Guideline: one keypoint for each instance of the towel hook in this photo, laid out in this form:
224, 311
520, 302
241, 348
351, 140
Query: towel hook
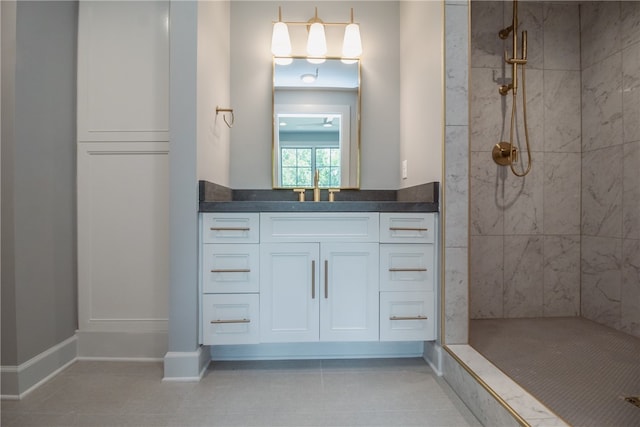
224, 116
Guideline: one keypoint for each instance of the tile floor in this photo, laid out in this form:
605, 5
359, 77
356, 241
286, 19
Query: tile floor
374, 392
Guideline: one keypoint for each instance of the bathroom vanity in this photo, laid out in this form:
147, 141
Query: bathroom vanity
312, 272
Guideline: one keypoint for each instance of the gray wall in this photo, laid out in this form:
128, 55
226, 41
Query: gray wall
525, 232
38, 181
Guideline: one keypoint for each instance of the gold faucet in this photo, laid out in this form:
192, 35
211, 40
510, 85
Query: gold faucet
316, 189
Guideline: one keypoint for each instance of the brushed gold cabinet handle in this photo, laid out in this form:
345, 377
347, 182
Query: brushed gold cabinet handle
232, 270
215, 322
408, 318
230, 228
407, 269
313, 279
326, 279
407, 229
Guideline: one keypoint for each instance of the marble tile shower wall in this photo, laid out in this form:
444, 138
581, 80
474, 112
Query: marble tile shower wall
525, 232
610, 34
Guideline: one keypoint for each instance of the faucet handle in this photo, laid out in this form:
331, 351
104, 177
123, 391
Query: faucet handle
300, 192
331, 193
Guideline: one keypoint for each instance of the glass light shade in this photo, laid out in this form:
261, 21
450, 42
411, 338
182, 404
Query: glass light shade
352, 44
283, 60
317, 42
280, 41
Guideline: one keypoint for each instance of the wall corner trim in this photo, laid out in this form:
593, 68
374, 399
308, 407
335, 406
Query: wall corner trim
18, 381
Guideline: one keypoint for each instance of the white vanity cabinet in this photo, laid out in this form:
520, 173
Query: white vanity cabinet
407, 276
303, 277
229, 278
319, 277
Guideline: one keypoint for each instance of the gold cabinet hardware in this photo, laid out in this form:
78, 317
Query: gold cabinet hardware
313, 279
232, 270
326, 279
407, 269
408, 318
230, 228
216, 322
407, 229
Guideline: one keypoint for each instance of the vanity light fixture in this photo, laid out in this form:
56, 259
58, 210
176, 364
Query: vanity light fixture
316, 41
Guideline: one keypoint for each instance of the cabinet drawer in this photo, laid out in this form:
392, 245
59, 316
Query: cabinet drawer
407, 316
230, 228
230, 268
319, 227
407, 227
406, 267
230, 319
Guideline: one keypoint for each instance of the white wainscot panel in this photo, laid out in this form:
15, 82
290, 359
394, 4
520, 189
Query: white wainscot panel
123, 236
123, 71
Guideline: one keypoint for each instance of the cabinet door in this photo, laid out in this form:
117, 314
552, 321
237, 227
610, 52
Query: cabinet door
349, 292
289, 292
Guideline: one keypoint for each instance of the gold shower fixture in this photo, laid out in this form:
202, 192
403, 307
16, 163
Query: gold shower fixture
505, 153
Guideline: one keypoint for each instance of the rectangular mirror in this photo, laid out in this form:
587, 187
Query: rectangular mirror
316, 123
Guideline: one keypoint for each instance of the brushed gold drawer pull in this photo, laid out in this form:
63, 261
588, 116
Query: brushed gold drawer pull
232, 270
408, 318
216, 322
407, 269
407, 229
230, 228
313, 279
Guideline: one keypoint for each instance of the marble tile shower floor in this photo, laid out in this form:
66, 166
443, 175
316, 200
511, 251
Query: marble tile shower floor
579, 369
374, 392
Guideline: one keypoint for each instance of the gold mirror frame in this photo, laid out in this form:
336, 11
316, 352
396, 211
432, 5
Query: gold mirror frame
354, 146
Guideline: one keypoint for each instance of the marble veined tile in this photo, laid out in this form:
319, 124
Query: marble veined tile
523, 201
601, 280
486, 278
457, 186
561, 204
523, 276
602, 192
457, 291
602, 104
457, 66
487, 192
561, 36
530, 87
561, 276
630, 26
600, 30
630, 304
631, 191
489, 111
631, 93
486, 22
562, 132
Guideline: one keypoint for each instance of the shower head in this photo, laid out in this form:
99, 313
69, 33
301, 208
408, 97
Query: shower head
504, 33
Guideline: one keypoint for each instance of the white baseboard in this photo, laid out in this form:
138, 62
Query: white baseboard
141, 346
18, 381
186, 366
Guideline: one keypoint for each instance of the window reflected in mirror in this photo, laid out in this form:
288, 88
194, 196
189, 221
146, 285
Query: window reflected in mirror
316, 124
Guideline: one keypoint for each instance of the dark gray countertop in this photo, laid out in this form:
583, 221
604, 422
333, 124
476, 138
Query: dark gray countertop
421, 198
338, 206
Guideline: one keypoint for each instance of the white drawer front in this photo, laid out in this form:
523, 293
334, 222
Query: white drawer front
407, 227
230, 228
407, 316
230, 268
406, 267
230, 319
319, 227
